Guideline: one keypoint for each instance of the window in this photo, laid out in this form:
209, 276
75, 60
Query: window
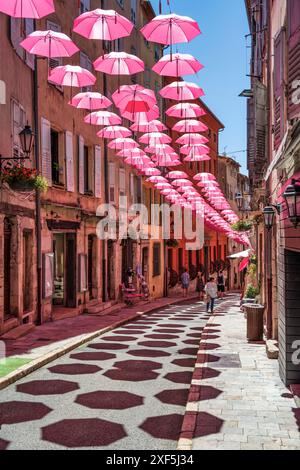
112, 182
19, 30
86, 63
157, 53
156, 260
58, 61
122, 186
85, 6
180, 259
121, 3
18, 123
55, 157
133, 11
87, 171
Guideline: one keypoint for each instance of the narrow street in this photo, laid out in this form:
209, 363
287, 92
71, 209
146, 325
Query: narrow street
125, 390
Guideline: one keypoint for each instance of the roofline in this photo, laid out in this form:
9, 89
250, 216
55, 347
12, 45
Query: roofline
207, 108
231, 160
248, 10
147, 5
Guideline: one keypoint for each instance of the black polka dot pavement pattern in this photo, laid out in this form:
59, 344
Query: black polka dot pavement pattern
127, 389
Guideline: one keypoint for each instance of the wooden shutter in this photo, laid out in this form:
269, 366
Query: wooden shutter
81, 164
98, 171
29, 28
46, 150
279, 87
156, 260
16, 36
122, 181
70, 161
112, 182
294, 57
86, 63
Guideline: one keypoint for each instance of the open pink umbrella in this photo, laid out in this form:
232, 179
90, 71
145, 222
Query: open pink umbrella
174, 175
200, 149
152, 172
49, 44
119, 63
177, 65
157, 148
134, 152
189, 125
145, 126
132, 98
186, 111
153, 138
197, 158
205, 177
182, 182
27, 8
103, 118
105, 25
122, 144
142, 116
156, 179
114, 132
72, 75
90, 100
182, 91
192, 139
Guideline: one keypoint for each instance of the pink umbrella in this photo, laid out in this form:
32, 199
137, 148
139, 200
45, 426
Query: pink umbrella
122, 144
134, 95
49, 44
156, 179
192, 139
145, 126
152, 172
167, 161
186, 111
137, 161
177, 65
119, 63
171, 29
182, 182
135, 152
182, 91
174, 175
114, 132
103, 118
27, 8
165, 148
73, 76
189, 125
153, 138
105, 25
197, 158
90, 100
204, 176
199, 149
141, 116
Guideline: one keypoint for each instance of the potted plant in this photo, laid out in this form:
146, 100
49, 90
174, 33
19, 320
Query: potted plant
20, 178
242, 226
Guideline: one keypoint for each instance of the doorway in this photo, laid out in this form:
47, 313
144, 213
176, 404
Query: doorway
145, 263
127, 258
7, 268
111, 270
27, 271
64, 249
91, 264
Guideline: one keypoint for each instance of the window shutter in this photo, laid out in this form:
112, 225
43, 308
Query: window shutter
81, 164
122, 181
112, 182
293, 56
279, 87
29, 28
70, 161
86, 63
46, 150
98, 171
16, 36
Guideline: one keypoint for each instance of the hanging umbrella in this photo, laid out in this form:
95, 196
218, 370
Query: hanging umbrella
105, 25
165, 148
182, 182
197, 158
204, 177
145, 126
72, 75
134, 98
153, 138
152, 172
49, 44
140, 115
114, 132
91, 101
182, 91
27, 8
192, 139
135, 152
122, 144
186, 111
103, 118
174, 175
200, 149
119, 63
177, 65
156, 179
189, 125
171, 29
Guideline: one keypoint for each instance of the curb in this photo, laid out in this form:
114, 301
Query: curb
185, 441
57, 353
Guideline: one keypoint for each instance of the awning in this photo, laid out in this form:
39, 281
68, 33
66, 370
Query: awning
241, 254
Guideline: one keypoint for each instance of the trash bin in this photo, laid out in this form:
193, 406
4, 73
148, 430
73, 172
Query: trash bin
255, 321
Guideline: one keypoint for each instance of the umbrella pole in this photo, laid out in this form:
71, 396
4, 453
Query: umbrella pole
90, 110
71, 85
49, 59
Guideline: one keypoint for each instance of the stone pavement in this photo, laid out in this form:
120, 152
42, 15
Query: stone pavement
237, 400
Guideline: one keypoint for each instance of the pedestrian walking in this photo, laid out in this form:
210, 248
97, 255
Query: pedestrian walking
200, 286
185, 281
211, 291
221, 285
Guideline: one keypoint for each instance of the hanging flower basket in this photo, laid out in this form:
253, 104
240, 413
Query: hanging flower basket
242, 226
24, 179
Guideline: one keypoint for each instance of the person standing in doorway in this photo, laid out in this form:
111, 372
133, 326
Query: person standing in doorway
211, 291
221, 285
185, 281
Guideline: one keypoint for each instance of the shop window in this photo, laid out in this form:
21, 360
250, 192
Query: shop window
156, 260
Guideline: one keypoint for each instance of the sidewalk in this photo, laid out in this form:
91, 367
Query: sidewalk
52, 340
237, 400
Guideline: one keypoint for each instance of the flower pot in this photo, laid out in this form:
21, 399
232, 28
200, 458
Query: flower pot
25, 186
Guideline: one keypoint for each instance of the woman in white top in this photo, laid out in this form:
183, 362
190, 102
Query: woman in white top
211, 290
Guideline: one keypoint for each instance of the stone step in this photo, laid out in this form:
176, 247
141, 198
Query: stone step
61, 313
98, 308
18, 332
108, 311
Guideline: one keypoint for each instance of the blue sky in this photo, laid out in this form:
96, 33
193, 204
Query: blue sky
221, 48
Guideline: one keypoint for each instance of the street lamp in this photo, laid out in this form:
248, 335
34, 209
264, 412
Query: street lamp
269, 215
292, 199
239, 200
27, 140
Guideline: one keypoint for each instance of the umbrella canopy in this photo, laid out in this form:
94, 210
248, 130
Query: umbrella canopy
145, 126
199, 149
182, 91
140, 115
158, 148
204, 177
171, 29
90, 100
153, 138
105, 25
186, 111
27, 8
134, 152
156, 179
174, 175
134, 94
177, 65
103, 118
197, 158
192, 139
122, 144
114, 132
119, 63
49, 44
152, 172
72, 75
189, 125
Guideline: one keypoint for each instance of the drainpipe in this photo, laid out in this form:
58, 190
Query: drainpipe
38, 226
